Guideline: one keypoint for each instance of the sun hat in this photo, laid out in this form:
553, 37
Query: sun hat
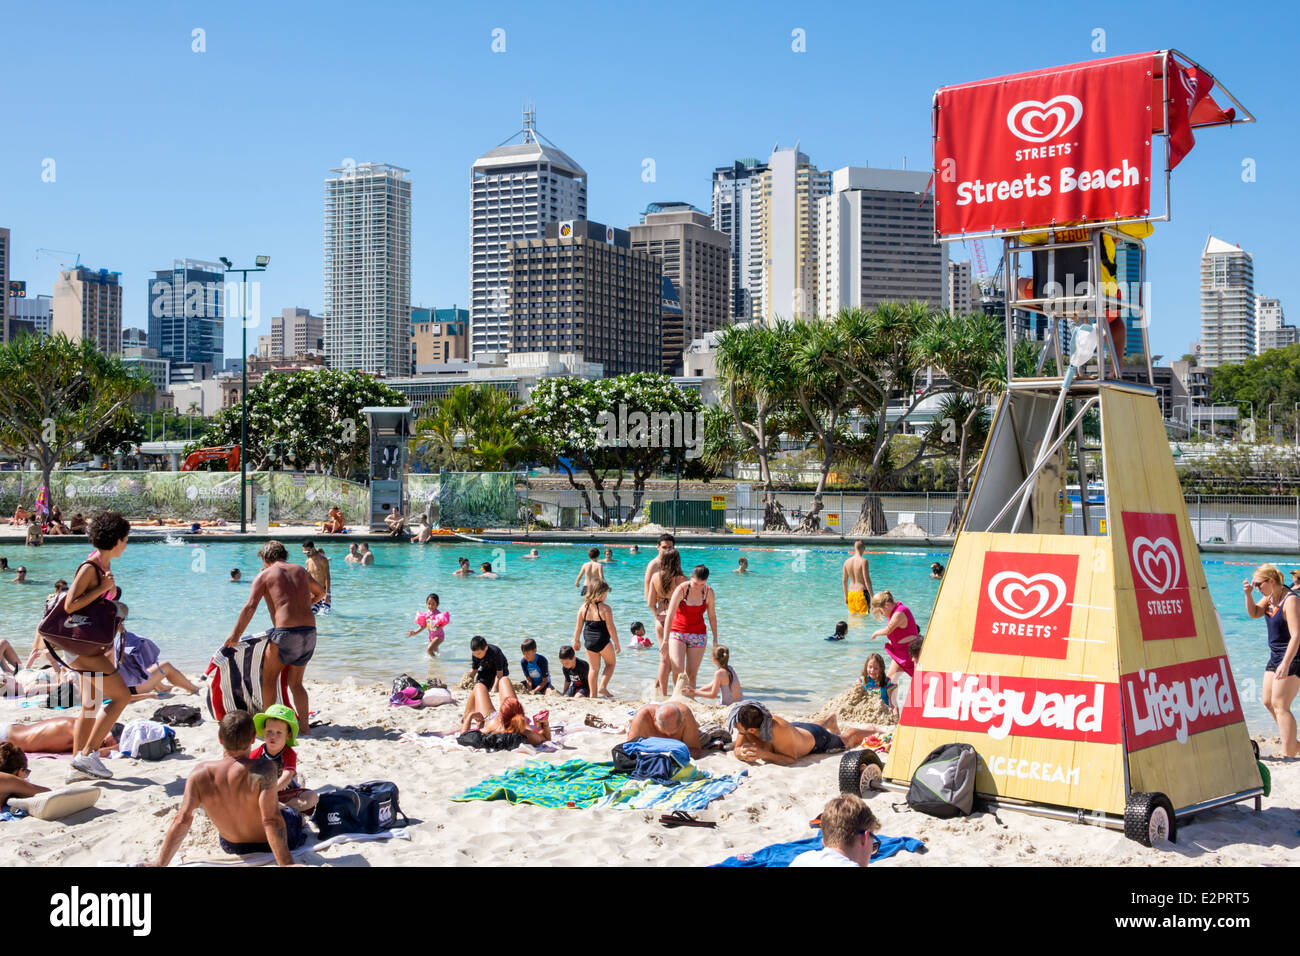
278, 712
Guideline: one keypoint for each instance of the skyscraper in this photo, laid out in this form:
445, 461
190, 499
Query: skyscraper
186, 321
959, 298
696, 257
583, 289
733, 206
295, 332
515, 190
4, 285
875, 233
1128, 273
368, 269
785, 221
88, 305
1271, 330
1227, 304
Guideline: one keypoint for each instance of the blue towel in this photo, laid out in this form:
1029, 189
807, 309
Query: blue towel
781, 854
675, 749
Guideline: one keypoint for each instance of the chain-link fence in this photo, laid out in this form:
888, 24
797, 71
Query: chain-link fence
1266, 522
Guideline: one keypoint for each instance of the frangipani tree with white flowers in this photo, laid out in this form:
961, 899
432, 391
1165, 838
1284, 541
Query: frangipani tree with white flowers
615, 431
309, 419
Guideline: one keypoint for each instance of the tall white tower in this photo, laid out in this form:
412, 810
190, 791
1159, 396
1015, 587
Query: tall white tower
515, 190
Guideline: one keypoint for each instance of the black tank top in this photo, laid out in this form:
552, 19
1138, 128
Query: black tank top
1279, 635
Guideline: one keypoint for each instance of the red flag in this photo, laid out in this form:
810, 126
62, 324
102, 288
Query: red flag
1190, 104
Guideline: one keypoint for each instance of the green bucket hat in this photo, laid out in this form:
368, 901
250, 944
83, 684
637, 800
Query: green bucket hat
278, 712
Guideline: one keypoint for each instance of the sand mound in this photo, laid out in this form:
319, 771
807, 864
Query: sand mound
467, 682
906, 529
854, 707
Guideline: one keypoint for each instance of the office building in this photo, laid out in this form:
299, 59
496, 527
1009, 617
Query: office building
294, 331
148, 361
734, 190
368, 269
784, 232
186, 319
671, 329
5, 240
1128, 273
1227, 304
135, 339
583, 289
438, 336
34, 311
1271, 330
515, 190
87, 304
185, 373
959, 285
696, 257
875, 233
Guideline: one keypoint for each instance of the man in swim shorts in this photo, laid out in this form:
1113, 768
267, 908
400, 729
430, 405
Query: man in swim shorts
792, 741
856, 580
318, 566
289, 592
238, 794
673, 720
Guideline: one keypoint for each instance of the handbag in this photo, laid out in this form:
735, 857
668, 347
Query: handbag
85, 633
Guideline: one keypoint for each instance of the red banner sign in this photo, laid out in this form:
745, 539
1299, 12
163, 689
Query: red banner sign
1025, 604
1067, 145
1014, 706
1155, 554
1174, 702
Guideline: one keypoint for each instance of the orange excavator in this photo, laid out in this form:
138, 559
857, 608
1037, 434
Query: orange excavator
228, 453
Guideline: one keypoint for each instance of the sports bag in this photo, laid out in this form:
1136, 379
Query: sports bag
944, 783
85, 633
365, 808
404, 681
157, 749
178, 715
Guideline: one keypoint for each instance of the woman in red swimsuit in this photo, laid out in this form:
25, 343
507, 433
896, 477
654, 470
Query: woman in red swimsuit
685, 616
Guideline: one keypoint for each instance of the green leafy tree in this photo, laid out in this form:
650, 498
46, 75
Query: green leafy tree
612, 430
1270, 379
757, 388
309, 419
474, 428
56, 395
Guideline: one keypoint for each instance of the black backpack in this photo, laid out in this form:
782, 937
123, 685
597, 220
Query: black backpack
157, 749
178, 715
365, 808
944, 783
401, 683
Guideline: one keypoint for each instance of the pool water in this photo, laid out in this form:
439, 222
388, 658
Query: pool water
773, 620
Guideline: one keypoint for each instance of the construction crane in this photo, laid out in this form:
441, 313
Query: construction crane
57, 254
976, 247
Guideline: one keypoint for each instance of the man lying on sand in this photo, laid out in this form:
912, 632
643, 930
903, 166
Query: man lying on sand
53, 736
672, 720
793, 741
238, 794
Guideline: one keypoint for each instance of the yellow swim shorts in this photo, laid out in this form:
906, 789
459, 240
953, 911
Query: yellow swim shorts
858, 602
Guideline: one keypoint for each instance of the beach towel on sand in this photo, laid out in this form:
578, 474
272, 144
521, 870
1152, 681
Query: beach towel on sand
237, 678
585, 784
780, 854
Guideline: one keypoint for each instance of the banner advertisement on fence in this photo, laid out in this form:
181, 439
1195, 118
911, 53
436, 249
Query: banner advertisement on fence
477, 500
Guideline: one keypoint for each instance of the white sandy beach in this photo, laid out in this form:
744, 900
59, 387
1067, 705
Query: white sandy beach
774, 804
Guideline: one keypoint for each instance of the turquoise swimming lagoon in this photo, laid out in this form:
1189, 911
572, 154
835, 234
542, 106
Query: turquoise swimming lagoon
774, 620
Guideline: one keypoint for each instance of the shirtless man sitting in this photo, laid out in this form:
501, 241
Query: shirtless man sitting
673, 720
53, 736
239, 797
792, 741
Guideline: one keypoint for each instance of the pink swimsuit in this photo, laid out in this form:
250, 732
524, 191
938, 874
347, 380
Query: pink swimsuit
436, 620
901, 653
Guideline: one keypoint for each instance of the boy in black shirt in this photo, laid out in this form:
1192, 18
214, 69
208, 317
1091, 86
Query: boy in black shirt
575, 673
489, 662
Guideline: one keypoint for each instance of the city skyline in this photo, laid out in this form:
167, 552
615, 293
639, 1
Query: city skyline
254, 187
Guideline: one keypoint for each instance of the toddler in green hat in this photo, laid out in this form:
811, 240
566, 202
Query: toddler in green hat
279, 728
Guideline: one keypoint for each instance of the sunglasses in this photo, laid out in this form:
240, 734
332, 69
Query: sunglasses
1258, 585
875, 841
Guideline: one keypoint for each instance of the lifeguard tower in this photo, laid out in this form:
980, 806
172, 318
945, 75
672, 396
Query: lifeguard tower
1082, 660
390, 428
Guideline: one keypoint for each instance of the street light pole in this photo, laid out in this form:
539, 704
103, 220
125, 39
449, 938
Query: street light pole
262, 262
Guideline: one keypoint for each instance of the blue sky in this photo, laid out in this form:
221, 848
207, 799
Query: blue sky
162, 153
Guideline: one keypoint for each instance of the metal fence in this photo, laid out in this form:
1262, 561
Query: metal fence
1260, 521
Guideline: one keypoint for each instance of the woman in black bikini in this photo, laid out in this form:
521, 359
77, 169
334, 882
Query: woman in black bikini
596, 628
